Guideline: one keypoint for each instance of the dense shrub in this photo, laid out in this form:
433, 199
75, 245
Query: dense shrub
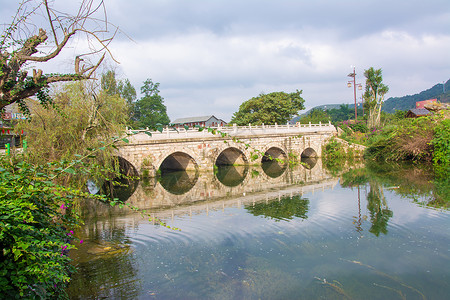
441, 143
402, 140
36, 229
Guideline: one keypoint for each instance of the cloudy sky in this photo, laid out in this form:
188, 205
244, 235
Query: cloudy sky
211, 55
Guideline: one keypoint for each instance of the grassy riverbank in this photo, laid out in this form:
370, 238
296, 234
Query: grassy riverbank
402, 139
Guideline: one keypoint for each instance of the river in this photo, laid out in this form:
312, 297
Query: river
271, 232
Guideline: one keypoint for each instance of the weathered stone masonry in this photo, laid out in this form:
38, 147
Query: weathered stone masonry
192, 149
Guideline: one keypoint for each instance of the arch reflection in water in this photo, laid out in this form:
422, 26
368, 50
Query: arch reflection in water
178, 182
273, 168
122, 187
274, 162
231, 176
309, 162
284, 208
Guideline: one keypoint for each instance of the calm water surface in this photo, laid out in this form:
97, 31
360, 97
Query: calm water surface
270, 233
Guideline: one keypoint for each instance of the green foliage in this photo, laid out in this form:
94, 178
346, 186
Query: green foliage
315, 116
335, 150
374, 95
108, 83
441, 143
334, 156
127, 91
78, 121
284, 209
36, 227
402, 140
324, 114
343, 113
122, 88
150, 111
276, 107
359, 126
442, 187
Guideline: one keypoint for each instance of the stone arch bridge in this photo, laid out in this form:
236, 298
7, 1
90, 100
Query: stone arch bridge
197, 150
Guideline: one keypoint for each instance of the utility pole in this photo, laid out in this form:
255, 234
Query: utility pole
349, 84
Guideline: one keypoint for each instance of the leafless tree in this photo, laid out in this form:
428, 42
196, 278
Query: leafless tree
25, 41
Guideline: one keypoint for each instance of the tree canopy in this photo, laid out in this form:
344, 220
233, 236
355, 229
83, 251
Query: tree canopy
80, 119
276, 107
150, 109
374, 95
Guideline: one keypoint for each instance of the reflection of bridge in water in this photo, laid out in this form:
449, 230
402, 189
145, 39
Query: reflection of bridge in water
187, 193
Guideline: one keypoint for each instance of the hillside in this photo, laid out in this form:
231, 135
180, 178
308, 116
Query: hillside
407, 102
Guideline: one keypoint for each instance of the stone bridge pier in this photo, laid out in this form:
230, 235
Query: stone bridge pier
196, 150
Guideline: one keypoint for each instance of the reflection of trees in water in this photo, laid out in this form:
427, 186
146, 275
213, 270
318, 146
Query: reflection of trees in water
121, 271
178, 182
379, 211
376, 201
231, 176
106, 248
286, 208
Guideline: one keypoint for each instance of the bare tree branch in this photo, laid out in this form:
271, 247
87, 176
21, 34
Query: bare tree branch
15, 55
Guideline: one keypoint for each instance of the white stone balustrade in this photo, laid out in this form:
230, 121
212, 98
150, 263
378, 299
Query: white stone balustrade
233, 131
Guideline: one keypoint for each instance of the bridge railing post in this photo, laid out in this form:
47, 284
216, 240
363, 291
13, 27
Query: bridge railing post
234, 128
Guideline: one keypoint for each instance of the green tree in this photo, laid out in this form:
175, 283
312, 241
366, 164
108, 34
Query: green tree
276, 107
315, 116
374, 95
80, 119
127, 91
108, 83
150, 109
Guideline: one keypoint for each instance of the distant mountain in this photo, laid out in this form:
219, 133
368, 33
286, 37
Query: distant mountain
408, 102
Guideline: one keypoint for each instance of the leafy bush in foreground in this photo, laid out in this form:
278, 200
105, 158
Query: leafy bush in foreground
35, 231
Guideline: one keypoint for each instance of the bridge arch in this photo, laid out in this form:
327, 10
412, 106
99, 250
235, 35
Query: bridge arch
231, 156
120, 187
309, 152
178, 161
125, 166
274, 152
